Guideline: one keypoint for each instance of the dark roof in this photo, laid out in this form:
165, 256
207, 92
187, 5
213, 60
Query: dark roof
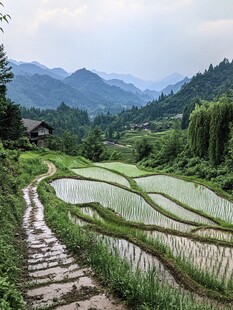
31, 124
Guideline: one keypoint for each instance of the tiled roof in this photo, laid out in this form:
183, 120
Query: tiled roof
31, 124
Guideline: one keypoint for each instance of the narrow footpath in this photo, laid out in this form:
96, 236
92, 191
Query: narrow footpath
56, 281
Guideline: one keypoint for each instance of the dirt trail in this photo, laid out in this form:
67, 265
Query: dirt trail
56, 280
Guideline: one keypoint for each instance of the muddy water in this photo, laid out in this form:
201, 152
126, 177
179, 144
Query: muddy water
55, 278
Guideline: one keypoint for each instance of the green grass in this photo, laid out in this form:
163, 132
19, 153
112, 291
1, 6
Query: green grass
185, 255
78, 241
130, 137
126, 152
15, 173
140, 290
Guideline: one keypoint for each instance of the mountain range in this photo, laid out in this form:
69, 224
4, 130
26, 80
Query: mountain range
213, 83
142, 84
37, 85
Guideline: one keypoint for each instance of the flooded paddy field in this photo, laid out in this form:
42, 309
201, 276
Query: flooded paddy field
205, 264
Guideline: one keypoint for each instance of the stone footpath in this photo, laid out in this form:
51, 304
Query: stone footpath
56, 281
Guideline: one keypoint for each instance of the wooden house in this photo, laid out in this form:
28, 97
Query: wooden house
38, 131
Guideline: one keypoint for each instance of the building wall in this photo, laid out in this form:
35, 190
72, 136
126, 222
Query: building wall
42, 131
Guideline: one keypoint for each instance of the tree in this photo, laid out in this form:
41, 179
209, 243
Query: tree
171, 146
188, 110
143, 149
3, 17
5, 72
69, 143
221, 119
198, 130
11, 127
92, 147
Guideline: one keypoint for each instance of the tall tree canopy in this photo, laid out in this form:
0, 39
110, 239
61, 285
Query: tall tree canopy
92, 147
11, 127
5, 72
209, 129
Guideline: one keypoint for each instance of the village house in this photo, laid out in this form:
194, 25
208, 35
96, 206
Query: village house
140, 126
38, 131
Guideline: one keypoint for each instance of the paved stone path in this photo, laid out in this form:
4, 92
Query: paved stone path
55, 279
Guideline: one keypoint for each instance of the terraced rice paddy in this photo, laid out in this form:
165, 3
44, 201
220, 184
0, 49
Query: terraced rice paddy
216, 234
206, 261
210, 258
102, 174
129, 205
178, 210
138, 258
192, 194
126, 169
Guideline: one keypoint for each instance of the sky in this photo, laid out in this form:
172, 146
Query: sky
150, 39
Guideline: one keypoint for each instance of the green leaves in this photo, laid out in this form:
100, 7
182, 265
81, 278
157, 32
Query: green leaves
3, 17
10, 298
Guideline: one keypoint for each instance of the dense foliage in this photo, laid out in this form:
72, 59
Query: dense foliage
205, 150
64, 118
11, 127
11, 211
209, 130
205, 86
92, 147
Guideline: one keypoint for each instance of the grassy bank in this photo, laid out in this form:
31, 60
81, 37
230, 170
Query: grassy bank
15, 173
140, 290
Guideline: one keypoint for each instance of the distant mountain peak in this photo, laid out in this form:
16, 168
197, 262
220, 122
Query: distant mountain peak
143, 84
34, 67
38, 64
84, 75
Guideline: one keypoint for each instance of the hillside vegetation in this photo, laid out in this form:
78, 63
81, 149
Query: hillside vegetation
204, 86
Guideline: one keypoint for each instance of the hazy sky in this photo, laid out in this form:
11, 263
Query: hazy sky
148, 38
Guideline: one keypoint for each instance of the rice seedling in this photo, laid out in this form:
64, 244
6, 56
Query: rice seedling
216, 261
129, 205
178, 210
215, 234
138, 258
127, 169
102, 175
192, 194
114, 277
76, 220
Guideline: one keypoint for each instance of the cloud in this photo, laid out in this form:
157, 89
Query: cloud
149, 38
61, 17
215, 27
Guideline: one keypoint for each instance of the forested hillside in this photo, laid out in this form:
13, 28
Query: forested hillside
205, 150
83, 89
64, 118
205, 86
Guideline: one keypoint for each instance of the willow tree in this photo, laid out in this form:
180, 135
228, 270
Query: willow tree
198, 130
221, 120
209, 129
